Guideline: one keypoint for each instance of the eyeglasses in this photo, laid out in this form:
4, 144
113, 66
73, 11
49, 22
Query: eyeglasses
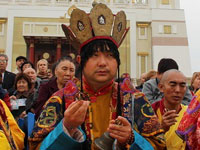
3, 61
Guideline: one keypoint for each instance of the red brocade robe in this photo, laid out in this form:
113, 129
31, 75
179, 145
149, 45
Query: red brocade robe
103, 107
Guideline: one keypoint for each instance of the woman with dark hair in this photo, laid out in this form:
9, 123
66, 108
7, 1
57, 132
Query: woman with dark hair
27, 64
64, 71
22, 98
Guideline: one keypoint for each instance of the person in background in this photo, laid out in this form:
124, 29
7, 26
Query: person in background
42, 69
64, 71
150, 88
36, 82
26, 64
11, 136
6, 78
150, 75
33, 76
142, 80
22, 98
195, 83
170, 110
19, 61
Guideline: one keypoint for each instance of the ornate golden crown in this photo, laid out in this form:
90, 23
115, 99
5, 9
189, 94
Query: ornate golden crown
99, 24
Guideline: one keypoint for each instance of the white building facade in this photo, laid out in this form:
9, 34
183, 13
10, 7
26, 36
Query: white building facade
157, 30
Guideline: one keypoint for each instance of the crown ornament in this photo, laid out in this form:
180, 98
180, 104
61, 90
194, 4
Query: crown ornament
99, 24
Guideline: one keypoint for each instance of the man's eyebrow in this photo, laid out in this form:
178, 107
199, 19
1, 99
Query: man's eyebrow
174, 82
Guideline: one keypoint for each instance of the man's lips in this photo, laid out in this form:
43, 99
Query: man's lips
176, 97
102, 72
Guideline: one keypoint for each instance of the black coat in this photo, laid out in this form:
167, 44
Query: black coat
8, 81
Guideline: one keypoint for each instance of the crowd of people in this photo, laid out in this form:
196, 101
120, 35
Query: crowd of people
97, 109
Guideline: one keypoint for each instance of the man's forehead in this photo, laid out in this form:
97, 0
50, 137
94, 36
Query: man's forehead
2, 57
177, 79
29, 70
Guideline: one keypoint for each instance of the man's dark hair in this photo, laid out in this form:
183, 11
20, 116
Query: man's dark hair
21, 57
68, 58
102, 45
166, 64
24, 76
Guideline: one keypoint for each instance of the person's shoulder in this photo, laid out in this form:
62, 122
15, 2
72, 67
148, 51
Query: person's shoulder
9, 73
49, 82
184, 106
151, 81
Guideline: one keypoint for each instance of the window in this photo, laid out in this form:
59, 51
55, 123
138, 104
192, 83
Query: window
143, 30
165, 2
167, 29
1, 28
141, 1
143, 62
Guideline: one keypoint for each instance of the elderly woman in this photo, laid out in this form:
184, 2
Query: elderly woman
64, 71
42, 69
21, 100
195, 82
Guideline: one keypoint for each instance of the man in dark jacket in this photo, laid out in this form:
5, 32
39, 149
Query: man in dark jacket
8, 78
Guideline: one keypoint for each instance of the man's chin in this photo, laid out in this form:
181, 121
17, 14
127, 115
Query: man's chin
103, 80
177, 101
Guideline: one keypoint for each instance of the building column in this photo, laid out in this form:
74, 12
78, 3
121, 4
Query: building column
31, 51
58, 50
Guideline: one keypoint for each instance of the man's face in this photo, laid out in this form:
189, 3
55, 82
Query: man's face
19, 62
174, 88
3, 63
31, 73
100, 69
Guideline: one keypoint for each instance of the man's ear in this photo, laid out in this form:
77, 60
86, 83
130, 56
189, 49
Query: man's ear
78, 59
161, 86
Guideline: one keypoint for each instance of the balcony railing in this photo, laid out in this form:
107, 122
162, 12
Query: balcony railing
136, 3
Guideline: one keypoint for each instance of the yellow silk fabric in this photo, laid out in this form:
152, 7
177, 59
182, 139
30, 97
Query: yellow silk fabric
173, 141
101, 114
17, 133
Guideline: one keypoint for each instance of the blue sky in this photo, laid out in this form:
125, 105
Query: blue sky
192, 15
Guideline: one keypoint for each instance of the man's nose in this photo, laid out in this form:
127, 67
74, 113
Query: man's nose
178, 88
102, 60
